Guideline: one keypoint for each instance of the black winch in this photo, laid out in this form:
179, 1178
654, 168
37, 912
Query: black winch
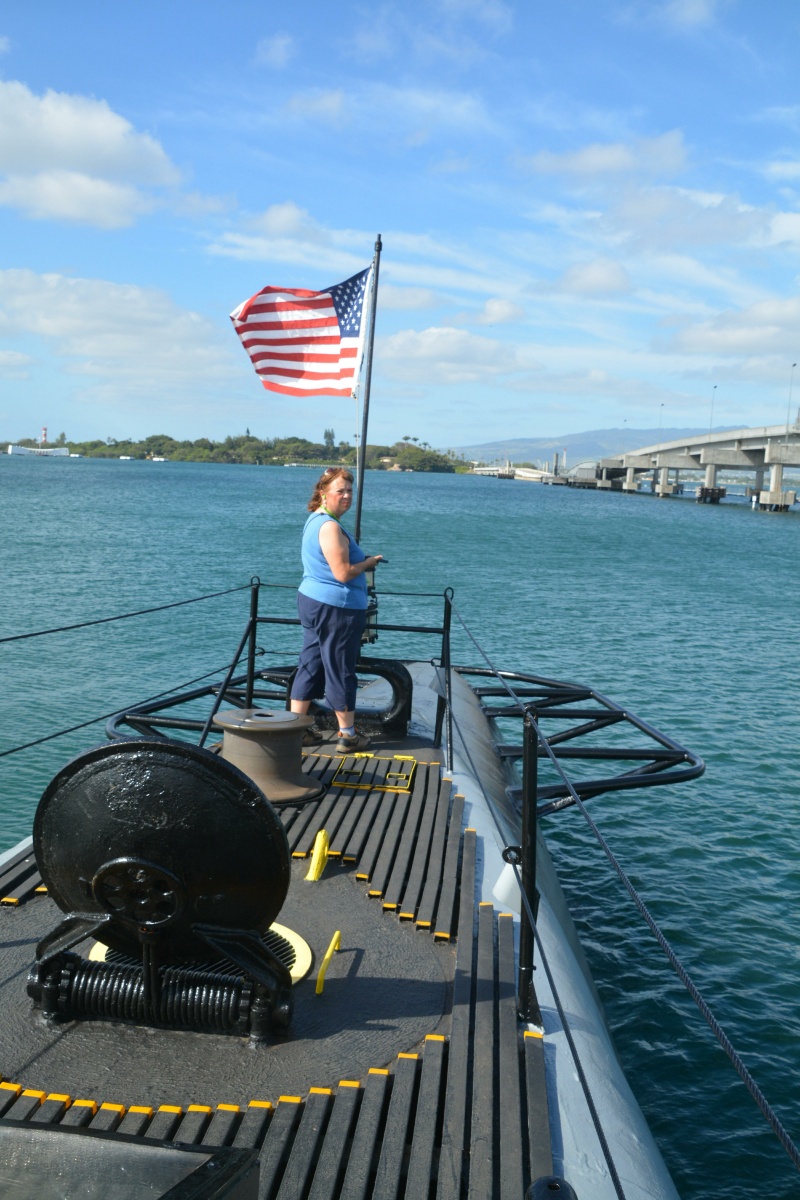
168, 855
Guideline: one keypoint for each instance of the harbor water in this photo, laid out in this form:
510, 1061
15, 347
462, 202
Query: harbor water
687, 614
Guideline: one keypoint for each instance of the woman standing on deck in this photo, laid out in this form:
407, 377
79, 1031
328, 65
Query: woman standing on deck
332, 604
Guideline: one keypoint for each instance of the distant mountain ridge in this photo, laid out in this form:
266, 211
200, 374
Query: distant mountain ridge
593, 444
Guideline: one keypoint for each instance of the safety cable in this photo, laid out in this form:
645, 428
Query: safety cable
105, 717
747, 1079
714, 1025
430, 595
19, 637
584, 1082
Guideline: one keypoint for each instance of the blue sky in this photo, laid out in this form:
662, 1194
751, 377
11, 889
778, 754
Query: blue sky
590, 211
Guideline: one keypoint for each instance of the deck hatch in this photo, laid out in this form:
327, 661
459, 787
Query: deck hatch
372, 772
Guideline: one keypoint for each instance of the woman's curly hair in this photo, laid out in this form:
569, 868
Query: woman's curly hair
328, 476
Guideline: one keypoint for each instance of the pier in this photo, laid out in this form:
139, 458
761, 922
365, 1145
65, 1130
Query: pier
497, 472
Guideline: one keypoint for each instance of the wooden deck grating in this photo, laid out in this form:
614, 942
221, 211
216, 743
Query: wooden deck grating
404, 844
19, 878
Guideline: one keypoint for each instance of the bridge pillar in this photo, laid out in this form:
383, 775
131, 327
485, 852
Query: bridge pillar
711, 475
776, 499
759, 483
664, 487
630, 484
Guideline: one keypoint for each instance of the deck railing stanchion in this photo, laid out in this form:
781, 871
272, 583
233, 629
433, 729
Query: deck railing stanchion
255, 584
448, 679
526, 1001
226, 684
441, 699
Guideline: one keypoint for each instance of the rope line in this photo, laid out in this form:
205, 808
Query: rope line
747, 1079
719, 1033
562, 1016
430, 595
19, 637
106, 716
485, 656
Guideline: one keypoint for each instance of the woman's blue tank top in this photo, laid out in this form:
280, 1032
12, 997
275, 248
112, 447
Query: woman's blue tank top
319, 582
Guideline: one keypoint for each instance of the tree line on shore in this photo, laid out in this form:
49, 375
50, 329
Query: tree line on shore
409, 453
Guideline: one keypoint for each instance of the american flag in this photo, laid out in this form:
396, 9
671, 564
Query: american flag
305, 343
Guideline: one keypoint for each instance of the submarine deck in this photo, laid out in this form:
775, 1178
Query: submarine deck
409, 1075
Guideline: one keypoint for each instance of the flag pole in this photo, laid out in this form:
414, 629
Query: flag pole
362, 447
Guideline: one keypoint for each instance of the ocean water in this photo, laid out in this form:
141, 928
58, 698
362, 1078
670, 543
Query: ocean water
687, 614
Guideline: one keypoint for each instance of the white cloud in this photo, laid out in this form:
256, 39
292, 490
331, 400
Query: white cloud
275, 52
387, 111
455, 32
591, 160
457, 42
568, 222
58, 131
670, 218
14, 364
327, 106
785, 228
452, 165
431, 107
788, 115
415, 112
251, 248
664, 155
493, 13
697, 279
376, 39
566, 113
782, 169
286, 233
407, 298
318, 256
72, 158
597, 278
444, 355
681, 15
768, 327
588, 382
499, 312
689, 14
288, 220
195, 204
121, 340
71, 196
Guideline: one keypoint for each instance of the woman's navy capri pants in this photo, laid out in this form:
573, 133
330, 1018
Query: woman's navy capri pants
331, 641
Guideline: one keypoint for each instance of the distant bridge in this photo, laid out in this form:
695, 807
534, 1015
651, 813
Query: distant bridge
768, 447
